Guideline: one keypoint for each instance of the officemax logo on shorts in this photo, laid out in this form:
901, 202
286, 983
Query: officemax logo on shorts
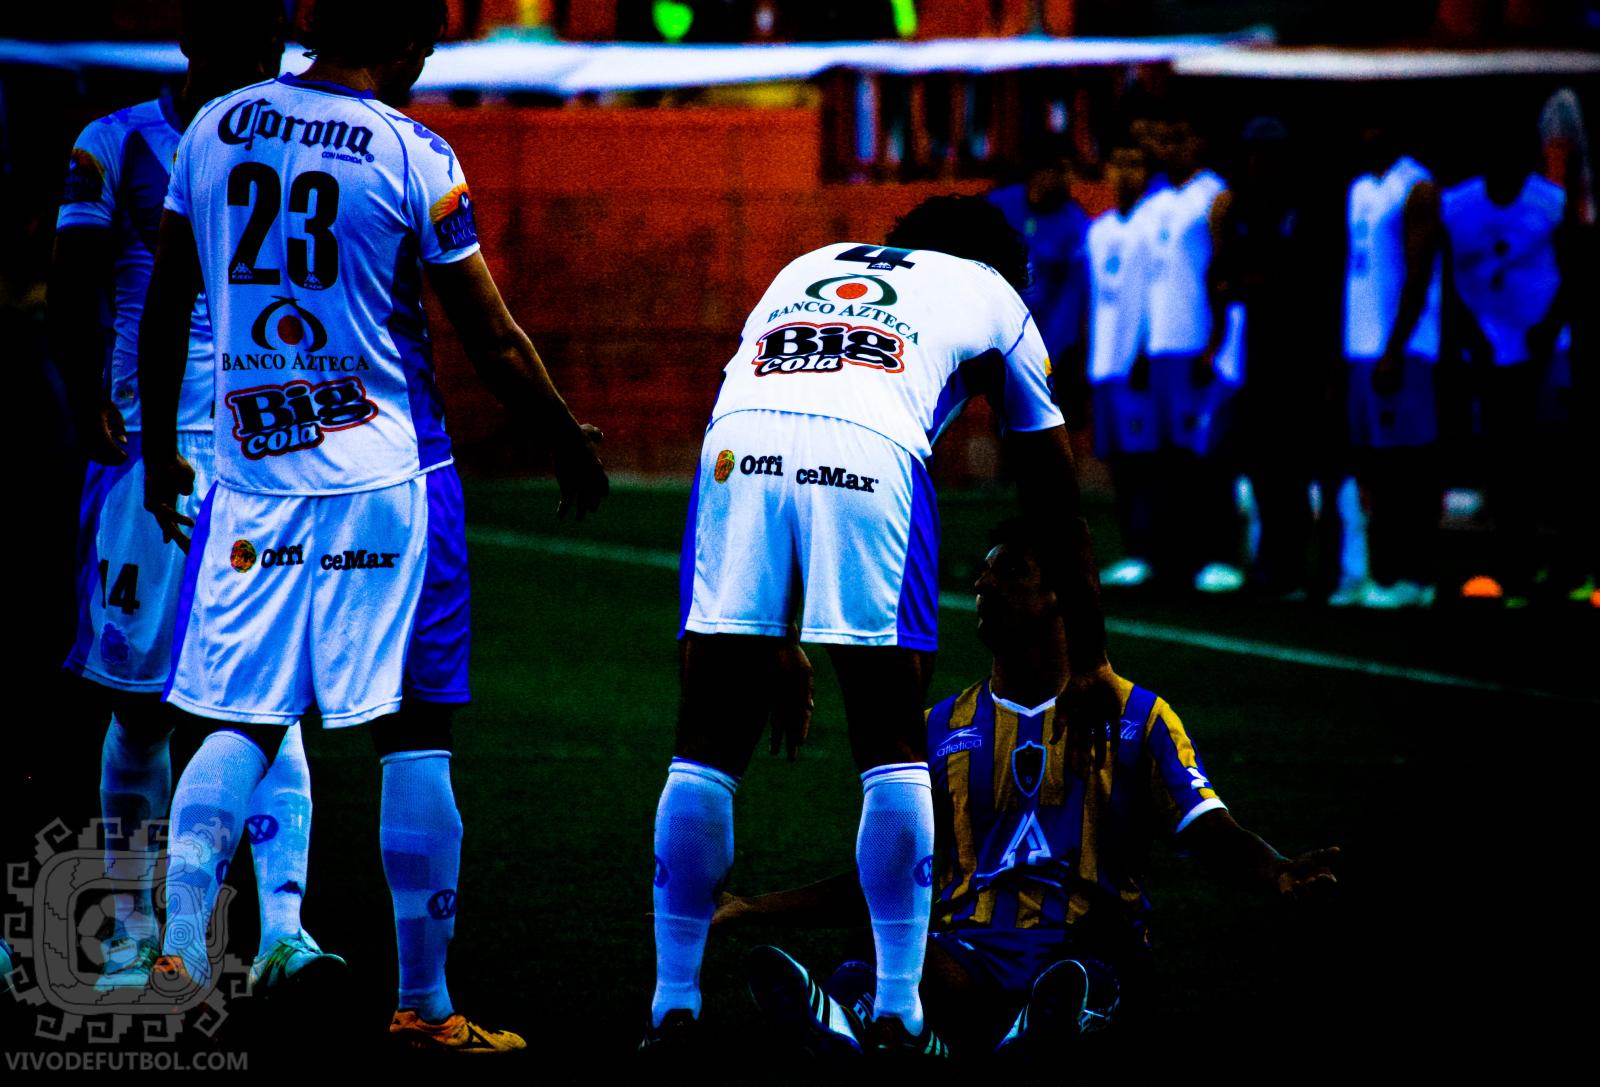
360, 560
841, 478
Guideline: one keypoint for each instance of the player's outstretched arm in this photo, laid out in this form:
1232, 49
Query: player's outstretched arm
1237, 856
175, 284
1047, 487
835, 902
506, 360
80, 270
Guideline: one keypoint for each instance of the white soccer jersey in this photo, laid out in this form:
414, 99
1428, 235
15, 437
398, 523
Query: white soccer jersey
1375, 265
892, 340
116, 179
1504, 259
313, 207
1179, 304
1119, 268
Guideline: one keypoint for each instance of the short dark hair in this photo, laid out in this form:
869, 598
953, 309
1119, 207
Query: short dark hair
968, 227
1019, 532
374, 31
210, 27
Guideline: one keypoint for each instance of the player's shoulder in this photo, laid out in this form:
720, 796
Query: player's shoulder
418, 138
957, 711
1462, 194
1545, 195
113, 128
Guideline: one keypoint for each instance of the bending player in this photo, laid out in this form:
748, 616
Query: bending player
310, 210
812, 506
1039, 904
128, 581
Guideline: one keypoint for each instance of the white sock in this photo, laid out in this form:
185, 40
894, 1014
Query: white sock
207, 817
894, 857
135, 787
694, 850
419, 830
279, 826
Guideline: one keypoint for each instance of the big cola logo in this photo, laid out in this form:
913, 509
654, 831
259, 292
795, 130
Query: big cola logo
803, 347
271, 420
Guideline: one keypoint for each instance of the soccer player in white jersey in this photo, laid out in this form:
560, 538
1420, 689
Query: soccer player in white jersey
327, 566
1183, 341
1391, 341
129, 576
1127, 433
1505, 237
813, 514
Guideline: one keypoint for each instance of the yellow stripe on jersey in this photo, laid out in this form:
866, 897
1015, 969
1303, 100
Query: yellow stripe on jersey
1053, 790
1180, 740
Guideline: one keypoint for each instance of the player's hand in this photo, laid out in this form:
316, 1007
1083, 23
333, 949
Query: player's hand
730, 909
1203, 369
164, 480
1388, 374
581, 475
1088, 710
103, 435
1139, 373
1308, 877
794, 699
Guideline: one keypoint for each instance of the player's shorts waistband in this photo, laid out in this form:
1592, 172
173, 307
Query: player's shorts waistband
365, 488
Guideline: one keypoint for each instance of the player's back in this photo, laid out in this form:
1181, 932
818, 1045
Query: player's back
313, 206
1119, 259
893, 340
1180, 310
1376, 264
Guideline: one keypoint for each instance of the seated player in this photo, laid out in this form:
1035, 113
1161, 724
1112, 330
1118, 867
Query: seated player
1039, 919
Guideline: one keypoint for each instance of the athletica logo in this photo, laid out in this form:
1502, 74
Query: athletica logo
360, 560
261, 828
433, 141
661, 873
298, 328
243, 555
966, 739
271, 420
834, 477
1027, 767
442, 906
452, 219
86, 180
1130, 730
761, 466
244, 121
854, 289
724, 468
924, 872
803, 347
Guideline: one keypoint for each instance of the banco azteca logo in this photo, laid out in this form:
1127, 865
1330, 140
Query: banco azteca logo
296, 328
868, 290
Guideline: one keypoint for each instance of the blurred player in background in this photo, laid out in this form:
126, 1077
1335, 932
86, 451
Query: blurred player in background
812, 507
1391, 342
328, 564
129, 576
1183, 340
1277, 255
1126, 430
1505, 234
1040, 912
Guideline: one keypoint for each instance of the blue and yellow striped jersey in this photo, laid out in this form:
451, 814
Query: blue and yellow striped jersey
1022, 841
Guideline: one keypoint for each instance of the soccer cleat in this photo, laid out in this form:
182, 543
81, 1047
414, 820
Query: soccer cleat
1219, 577
1402, 594
788, 996
677, 1036
887, 1037
1350, 593
170, 980
1056, 1012
297, 960
457, 1034
1127, 573
128, 964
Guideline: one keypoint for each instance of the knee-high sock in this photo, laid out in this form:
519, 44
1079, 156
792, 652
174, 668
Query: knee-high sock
420, 833
279, 826
894, 857
135, 787
694, 850
207, 816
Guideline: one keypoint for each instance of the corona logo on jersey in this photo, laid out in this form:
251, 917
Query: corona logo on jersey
85, 179
246, 120
871, 290
802, 347
271, 420
452, 219
724, 468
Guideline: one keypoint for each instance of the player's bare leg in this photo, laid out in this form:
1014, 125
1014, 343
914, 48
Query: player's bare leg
883, 688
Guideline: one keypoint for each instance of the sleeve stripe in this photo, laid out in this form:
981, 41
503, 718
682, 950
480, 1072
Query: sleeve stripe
1028, 317
1198, 810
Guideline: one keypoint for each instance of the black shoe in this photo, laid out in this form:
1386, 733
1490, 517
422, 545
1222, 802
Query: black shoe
798, 1006
677, 1036
1054, 1013
887, 1036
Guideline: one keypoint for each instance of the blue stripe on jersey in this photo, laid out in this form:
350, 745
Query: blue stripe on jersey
1022, 333
686, 553
408, 328
191, 573
292, 80
980, 784
968, 379
917, 616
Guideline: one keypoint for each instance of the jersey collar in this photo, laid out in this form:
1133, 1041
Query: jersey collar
1023, 711
292, 80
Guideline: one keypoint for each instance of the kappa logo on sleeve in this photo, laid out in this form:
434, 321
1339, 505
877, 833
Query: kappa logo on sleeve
86, 179
424, 133
452, 219
272, 420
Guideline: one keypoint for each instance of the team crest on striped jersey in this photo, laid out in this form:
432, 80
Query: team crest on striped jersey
1027, 766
